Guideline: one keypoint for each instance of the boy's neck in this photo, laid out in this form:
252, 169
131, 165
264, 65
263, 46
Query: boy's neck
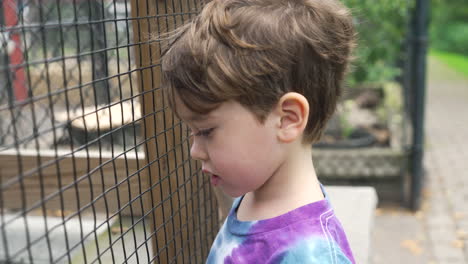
293, 185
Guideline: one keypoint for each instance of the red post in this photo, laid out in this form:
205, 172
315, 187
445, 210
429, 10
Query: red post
16, 55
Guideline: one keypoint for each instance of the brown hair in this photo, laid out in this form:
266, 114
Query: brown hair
255, 51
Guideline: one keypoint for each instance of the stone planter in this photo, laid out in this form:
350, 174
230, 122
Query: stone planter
382, 167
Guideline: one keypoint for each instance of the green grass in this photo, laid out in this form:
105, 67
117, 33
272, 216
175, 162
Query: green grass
455, 61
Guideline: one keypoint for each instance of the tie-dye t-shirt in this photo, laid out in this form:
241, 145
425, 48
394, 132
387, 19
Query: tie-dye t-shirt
309, 234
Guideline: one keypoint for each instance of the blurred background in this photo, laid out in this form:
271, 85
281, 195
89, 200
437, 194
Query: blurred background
437, 231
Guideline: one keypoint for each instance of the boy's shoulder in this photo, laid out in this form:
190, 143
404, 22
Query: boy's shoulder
313, 250
309, 234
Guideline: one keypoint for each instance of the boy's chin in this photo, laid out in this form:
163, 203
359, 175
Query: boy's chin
230, 193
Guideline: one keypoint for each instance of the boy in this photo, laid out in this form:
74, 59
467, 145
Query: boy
256, 82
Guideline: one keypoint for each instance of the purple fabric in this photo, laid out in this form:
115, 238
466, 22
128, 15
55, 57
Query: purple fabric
311, 232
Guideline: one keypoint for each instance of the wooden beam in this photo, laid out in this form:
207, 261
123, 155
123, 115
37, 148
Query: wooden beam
80, 181
175, 199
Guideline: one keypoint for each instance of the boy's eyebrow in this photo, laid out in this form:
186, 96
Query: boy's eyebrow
197, 118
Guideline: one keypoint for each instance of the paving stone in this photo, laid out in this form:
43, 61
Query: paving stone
399, 237
445, 222
463, 225
437, 208
446, 252
466, 249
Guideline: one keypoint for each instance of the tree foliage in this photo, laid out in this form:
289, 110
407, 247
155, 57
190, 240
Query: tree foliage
449, 26
382, 28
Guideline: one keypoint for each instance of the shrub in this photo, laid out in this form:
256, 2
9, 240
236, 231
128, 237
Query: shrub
451, 37
449, 26
381, 30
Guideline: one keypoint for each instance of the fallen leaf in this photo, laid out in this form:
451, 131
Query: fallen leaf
378, 212
419, 214
425, 207
426, 193
462, 234
459, 215
458, 243
413, 246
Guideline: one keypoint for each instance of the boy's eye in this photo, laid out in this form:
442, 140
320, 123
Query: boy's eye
204, 132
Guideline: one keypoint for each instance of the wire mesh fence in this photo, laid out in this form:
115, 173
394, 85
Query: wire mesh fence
93, 166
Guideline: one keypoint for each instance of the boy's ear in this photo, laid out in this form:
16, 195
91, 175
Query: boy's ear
293, 110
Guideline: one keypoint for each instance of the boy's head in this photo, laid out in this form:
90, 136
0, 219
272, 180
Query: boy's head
255, 51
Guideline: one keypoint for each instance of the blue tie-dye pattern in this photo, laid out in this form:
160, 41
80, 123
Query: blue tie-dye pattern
225, 242
310, 234
314, 251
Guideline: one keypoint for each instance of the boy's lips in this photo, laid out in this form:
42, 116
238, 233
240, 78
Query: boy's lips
215, 180
213, 177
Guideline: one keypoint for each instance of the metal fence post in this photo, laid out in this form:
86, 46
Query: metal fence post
418, 83
100, 59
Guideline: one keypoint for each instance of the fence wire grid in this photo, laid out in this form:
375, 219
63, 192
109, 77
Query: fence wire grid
94, 168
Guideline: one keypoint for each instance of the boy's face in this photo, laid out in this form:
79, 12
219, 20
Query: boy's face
237, 152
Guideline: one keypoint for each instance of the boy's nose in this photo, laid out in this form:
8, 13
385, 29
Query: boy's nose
197, 151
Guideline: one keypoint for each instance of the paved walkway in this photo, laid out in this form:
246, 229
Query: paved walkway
439, 232
447, 164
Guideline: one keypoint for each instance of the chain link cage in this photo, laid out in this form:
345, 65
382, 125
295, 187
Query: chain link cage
94, 168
